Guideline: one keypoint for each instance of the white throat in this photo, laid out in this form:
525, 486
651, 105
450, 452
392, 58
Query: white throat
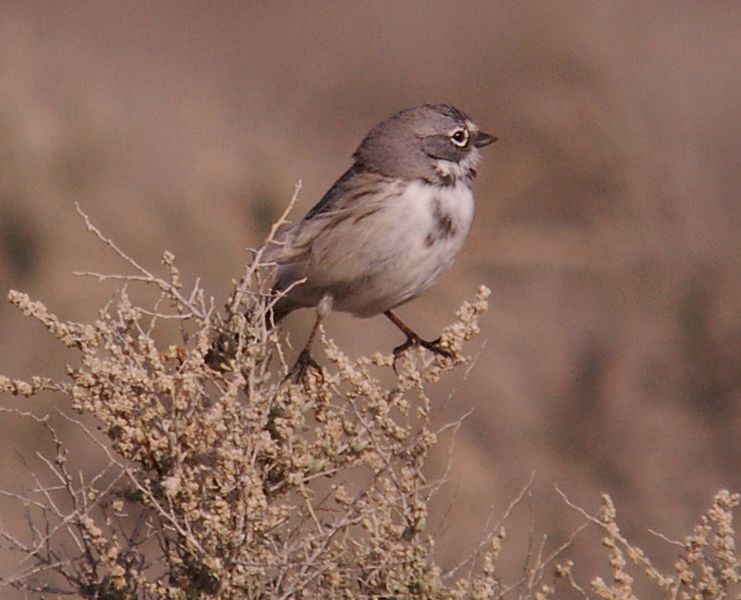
464, 170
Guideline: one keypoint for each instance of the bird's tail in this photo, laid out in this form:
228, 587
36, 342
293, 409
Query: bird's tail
279, 311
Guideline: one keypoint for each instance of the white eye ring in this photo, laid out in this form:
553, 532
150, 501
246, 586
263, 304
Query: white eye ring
459, 137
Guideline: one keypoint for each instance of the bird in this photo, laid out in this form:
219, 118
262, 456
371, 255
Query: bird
388, 227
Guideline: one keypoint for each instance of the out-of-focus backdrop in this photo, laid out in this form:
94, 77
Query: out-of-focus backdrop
608, 223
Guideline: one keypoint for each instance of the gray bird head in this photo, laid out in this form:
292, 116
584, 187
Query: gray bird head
434, 142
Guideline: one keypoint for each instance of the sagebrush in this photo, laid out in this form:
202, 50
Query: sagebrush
222, 480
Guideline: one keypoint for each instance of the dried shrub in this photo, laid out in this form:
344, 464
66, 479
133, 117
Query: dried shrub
708, 565
229, 482
221, 480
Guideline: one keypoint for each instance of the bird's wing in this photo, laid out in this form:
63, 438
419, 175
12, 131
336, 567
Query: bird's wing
355, 195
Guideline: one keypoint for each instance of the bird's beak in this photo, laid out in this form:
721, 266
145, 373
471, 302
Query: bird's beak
481, 139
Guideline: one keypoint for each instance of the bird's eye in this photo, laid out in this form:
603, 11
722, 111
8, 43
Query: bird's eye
459, 137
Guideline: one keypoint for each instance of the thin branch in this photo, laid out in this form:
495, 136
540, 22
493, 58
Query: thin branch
492, 530
145, 275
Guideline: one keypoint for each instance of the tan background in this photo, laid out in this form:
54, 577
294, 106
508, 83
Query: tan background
608, 223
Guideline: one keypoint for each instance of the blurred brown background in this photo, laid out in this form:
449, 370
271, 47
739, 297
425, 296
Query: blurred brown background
608, 223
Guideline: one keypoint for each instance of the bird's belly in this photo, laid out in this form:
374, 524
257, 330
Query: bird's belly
415, 244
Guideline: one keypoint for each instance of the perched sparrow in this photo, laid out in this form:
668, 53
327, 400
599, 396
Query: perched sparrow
387, 229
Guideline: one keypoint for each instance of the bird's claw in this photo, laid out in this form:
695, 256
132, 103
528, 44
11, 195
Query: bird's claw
301, 367
412, 341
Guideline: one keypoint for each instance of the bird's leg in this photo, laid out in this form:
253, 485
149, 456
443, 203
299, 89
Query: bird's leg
305, 361
414, 340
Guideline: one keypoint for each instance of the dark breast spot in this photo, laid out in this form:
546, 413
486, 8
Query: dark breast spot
443, 227
446, 179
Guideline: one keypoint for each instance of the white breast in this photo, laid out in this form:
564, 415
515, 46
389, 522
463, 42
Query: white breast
416, 241
439, 226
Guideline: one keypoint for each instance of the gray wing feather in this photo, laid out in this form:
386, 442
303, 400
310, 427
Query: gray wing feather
355, 195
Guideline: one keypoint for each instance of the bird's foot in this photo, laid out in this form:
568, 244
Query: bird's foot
413, 340
300, 369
